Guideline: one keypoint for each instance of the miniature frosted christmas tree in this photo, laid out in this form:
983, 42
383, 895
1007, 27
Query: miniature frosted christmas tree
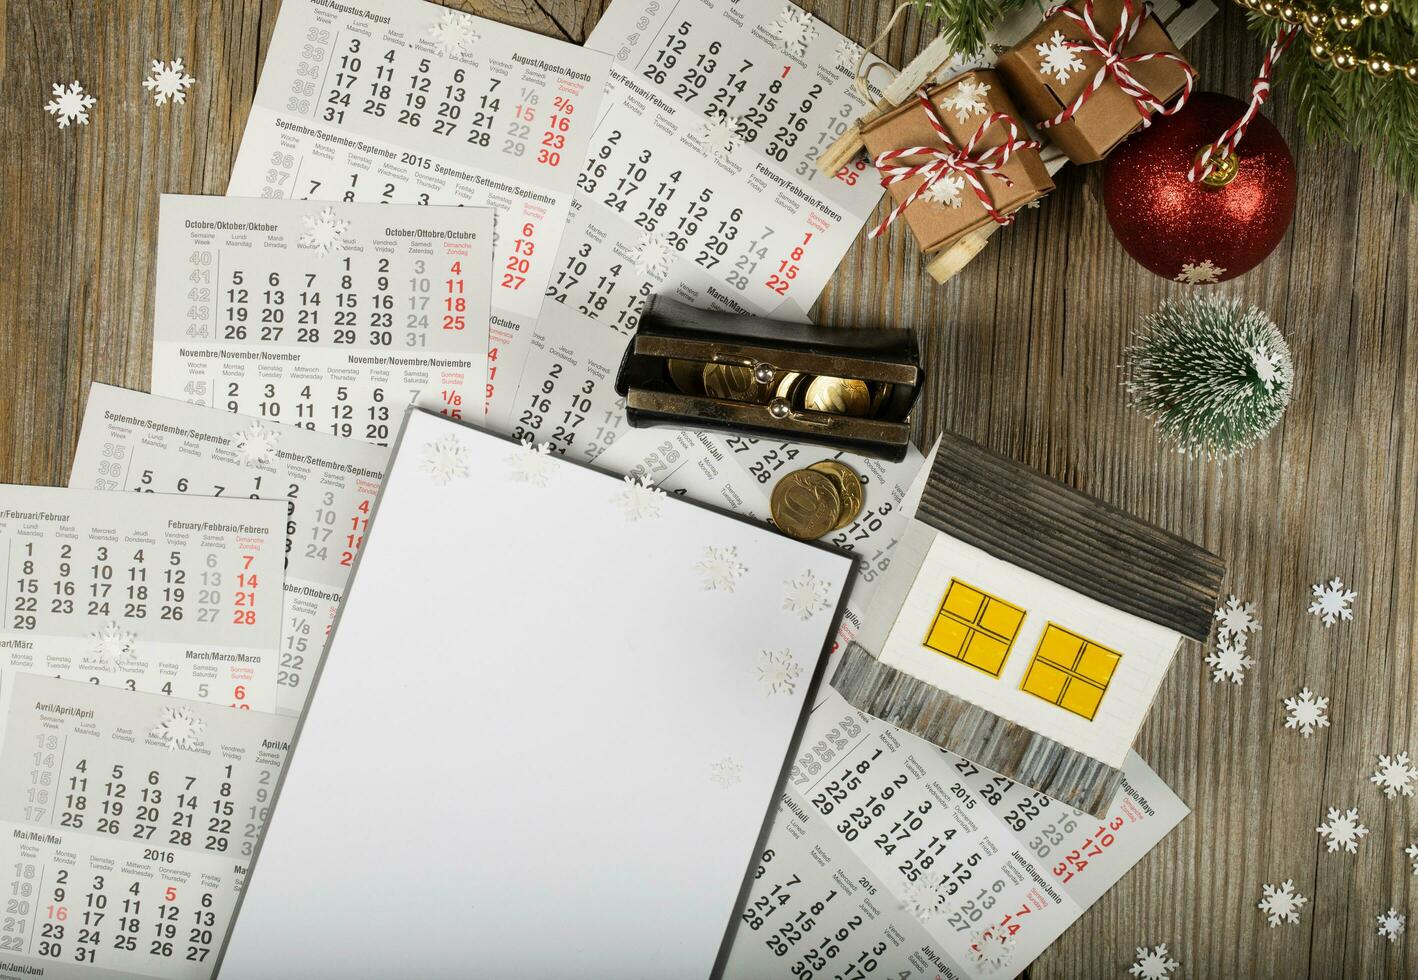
1213, 377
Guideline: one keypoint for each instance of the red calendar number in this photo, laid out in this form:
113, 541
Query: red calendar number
789, 268
554, 139
849, 173
452, 404
244, 598
454, 304
359, 523
519, 263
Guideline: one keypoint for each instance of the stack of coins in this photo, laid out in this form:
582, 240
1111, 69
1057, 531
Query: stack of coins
822, 498
788, 389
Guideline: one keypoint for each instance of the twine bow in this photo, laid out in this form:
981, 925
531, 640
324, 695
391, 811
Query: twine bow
949, 158
1116, 65
1213, 153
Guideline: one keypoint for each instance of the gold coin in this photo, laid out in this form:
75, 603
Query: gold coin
849, 489
883, 392
736, 383
840, 396
790, 387
688, 376
805, 504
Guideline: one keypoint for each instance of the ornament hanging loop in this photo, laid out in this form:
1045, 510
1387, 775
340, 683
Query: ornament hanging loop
1210, 162
864, 70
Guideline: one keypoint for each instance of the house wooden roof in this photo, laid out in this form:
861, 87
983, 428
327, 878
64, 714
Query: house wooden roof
1023, 517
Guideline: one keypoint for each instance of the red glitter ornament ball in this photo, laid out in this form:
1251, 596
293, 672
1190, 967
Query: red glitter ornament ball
1192, 232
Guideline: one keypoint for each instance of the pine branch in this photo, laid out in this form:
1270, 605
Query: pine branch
964, 23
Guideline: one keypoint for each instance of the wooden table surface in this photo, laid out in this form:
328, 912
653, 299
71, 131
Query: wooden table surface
1022, 352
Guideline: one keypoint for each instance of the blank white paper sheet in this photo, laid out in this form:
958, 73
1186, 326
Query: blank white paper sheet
547, 733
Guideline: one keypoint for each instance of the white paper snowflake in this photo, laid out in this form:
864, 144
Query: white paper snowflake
1412, 851
324, 232
640, 500
778, 672
1395, 775
991, 950
179, 728
1342, 830
719, 135
726, 772
1391, 924
848, 54
652, 255
721, 568
1198, 273
967, 100
1237, 620
255, 444
1229, 661
1281, 904
806, 596
1271, 369
1057, 58
445, 460
1305, 711
922, 898
531, 463
1153, 964
794, 29
946, 190
112, 644
169, 81
70, 104
452, 34
1332, 602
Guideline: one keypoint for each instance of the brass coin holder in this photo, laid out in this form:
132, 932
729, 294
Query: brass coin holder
699, 369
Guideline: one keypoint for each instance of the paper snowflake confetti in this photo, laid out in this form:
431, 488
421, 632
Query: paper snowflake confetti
1057, 58
452, 34
794, 29
324, 232
640, 500
445, 460
532, 463
1332, 602
1282, 904
848, 54
168, 81
1271, 369
719, 135
946, 190
726, 772
990, 950
1199, 273
255, 444
112, 644
652, 255
1237, 620
1229, 660
1153, 964
967, 100
1305, 711
806, 596
1342, 830
923, 899
1391, 924
778, 672
179, 728
70, 105
1412, 851
1395, 775
721, 568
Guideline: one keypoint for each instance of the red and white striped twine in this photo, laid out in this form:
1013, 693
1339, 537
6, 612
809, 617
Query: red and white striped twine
1205, 161
1115, 63
950, 159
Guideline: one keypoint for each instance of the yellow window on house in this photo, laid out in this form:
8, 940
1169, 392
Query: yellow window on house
974, 627
1070, 671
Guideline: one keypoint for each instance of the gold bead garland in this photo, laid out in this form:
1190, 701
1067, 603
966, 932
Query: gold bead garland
1319, 24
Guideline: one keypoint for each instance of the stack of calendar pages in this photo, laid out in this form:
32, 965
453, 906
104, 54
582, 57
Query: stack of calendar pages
575, 701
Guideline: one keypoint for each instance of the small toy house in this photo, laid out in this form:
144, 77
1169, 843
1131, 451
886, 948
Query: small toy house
1027, 626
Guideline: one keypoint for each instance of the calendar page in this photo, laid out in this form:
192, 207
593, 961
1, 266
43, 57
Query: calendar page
700, 180
126, 827
892, 858
171, 595
135, 441
332, 317
400, 101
